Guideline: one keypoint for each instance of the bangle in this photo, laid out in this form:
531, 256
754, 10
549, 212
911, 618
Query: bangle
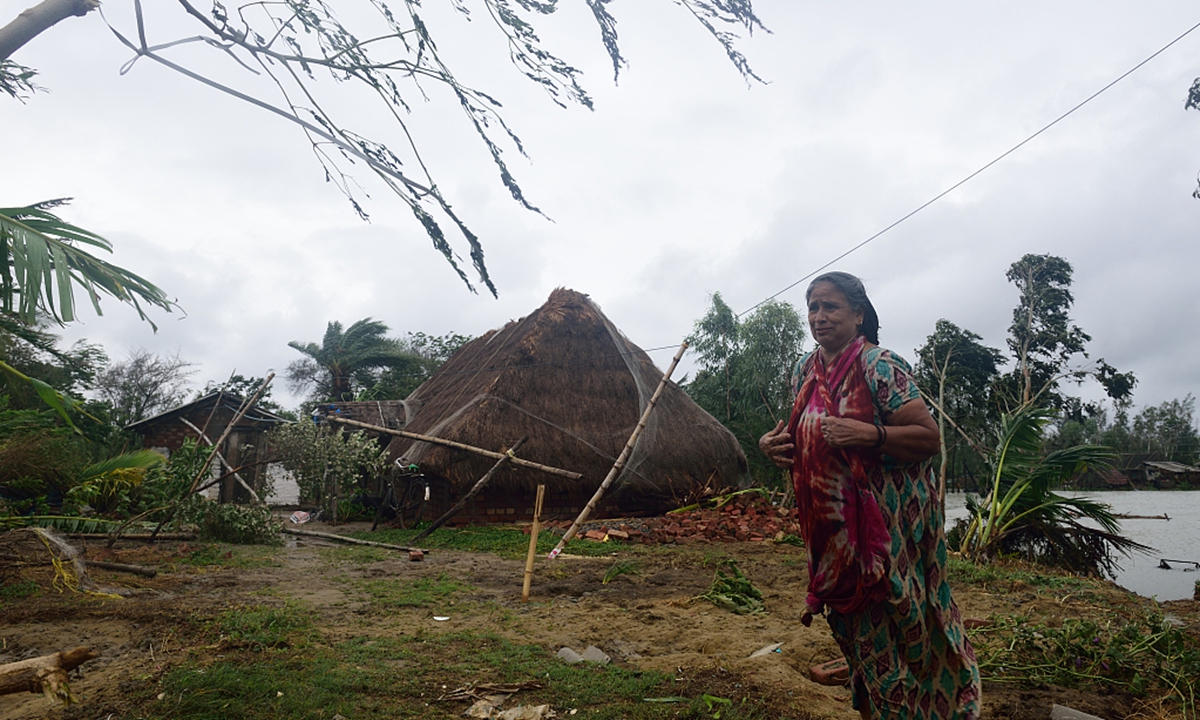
881, 431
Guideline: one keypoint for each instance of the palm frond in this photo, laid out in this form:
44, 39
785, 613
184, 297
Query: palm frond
139, 459
43, 260
1022, 514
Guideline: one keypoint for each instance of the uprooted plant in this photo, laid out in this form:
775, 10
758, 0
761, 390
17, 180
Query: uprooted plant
733, 591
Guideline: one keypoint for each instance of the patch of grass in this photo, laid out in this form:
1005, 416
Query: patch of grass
1005, 573
396, 678
18, 589
267, 627
244, 557
507, 541
410, 677
421, 592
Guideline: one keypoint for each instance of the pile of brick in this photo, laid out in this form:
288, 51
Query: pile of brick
744, 519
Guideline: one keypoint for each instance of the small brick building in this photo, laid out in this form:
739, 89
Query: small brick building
205, 420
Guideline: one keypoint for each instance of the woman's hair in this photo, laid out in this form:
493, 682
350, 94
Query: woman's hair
856, 295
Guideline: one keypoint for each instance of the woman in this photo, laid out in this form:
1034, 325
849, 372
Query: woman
858, 445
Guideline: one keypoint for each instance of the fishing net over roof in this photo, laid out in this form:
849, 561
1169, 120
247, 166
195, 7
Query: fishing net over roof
572, 383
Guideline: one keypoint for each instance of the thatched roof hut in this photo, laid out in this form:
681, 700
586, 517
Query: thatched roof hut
569, 381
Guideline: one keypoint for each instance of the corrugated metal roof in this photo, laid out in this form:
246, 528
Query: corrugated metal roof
1171, 467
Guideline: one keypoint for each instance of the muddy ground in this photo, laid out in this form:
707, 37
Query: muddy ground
648, 619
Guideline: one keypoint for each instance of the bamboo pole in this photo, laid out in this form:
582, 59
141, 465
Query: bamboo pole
620, 463
350, 540
533, 535
224, 462
456, 445
174, 505
505, 458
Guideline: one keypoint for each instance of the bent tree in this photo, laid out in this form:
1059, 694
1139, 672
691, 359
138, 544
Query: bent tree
389, 54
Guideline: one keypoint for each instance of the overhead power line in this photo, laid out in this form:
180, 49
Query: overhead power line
960, 183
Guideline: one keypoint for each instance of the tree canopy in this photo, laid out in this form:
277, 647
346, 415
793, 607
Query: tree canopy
744, 371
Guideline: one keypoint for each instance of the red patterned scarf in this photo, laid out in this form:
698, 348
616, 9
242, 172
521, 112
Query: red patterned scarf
840, 519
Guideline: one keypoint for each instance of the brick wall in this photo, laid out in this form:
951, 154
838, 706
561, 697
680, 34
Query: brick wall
497, 507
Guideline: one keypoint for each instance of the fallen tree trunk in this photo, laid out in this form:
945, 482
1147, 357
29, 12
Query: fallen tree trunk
352, 541
46, 674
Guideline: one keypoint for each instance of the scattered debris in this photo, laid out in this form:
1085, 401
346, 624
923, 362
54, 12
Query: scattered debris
416, 555
1062, 712
593, 654
1165, 564
767, 650
489, 697
746, 518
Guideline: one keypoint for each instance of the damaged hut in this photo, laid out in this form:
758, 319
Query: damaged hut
567, 380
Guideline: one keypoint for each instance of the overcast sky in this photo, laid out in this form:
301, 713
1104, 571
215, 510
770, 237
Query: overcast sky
685, 180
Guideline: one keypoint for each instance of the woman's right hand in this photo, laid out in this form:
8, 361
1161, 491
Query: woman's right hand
777, 446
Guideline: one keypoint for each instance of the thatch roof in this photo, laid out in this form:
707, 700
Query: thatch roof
568, 380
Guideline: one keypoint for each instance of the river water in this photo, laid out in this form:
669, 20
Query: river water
1175, 539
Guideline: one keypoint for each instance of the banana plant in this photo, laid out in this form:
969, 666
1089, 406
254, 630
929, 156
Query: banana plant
1021, 514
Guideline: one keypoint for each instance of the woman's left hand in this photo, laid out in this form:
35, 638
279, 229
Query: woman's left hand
844, 432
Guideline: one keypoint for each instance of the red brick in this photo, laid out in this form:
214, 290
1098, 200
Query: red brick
833, 673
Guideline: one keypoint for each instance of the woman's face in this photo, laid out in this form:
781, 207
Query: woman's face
834, 325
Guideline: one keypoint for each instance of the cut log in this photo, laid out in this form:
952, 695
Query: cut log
46, 674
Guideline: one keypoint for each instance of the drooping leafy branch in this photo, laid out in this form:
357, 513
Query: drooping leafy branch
390, 53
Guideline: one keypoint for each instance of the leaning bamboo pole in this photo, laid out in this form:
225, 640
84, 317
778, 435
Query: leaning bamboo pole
506, 457
456, 445
620, 463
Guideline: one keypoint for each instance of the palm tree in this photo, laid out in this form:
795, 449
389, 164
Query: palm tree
1021, 515
345, 360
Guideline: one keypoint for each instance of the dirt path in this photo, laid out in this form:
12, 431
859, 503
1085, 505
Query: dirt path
647, 618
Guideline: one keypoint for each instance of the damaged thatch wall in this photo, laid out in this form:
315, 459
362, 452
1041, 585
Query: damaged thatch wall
568, 380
